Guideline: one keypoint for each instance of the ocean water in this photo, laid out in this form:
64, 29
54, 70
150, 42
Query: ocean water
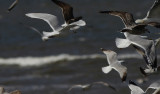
36, 67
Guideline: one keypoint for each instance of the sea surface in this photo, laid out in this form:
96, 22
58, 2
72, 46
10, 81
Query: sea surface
36, 67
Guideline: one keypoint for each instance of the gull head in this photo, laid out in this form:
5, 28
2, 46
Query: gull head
107, 51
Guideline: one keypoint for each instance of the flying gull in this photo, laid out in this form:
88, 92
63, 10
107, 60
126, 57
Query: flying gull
12, 5
153, 16
89, 86
129, 22
54, 24
134, 88
148, 47
155, 85
115, 64
148, 70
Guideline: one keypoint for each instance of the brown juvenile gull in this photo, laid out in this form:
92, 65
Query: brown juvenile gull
89, 86
134, 88
115, 64
12, 5
153, 16
129, 22
67, 12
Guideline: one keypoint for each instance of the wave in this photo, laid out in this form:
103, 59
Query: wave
38, 61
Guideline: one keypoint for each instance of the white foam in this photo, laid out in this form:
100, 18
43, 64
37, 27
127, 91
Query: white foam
38, 61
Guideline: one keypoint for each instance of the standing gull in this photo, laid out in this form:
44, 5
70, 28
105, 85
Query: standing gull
115, 64
2, 91
129, 22
12, 5
153, 16
134, 88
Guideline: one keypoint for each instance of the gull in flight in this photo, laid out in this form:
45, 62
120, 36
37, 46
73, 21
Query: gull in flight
148, 70
134, 88
12, 5
153, 16
115, 64
129, 22
89, 86
72, 24
146, 46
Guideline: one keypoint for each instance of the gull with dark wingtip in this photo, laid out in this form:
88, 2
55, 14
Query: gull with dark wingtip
114, 63
129, 22
71, 23
146, 48
153, 16
13, 5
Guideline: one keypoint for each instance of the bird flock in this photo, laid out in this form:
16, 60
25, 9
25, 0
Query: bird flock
132, 31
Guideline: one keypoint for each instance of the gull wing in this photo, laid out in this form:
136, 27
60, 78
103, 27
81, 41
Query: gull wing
50, 19
122, 43
145, 44
134, 88
106, 69
111, 56
12, 5
105, 84
66, 8
122, 70
126, 17
154, 85
154, 11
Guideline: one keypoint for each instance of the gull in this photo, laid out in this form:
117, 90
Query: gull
153, 16
148, 70
155, 85
89, 86
54, 24
146, 46
12, 5
129, 22
134, 88
115, 64
2, 91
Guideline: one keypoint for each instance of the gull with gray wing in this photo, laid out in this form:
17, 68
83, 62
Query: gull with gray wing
114, 63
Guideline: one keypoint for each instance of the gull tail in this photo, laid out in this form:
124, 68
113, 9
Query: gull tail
106, 69
122, 43
45, 36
